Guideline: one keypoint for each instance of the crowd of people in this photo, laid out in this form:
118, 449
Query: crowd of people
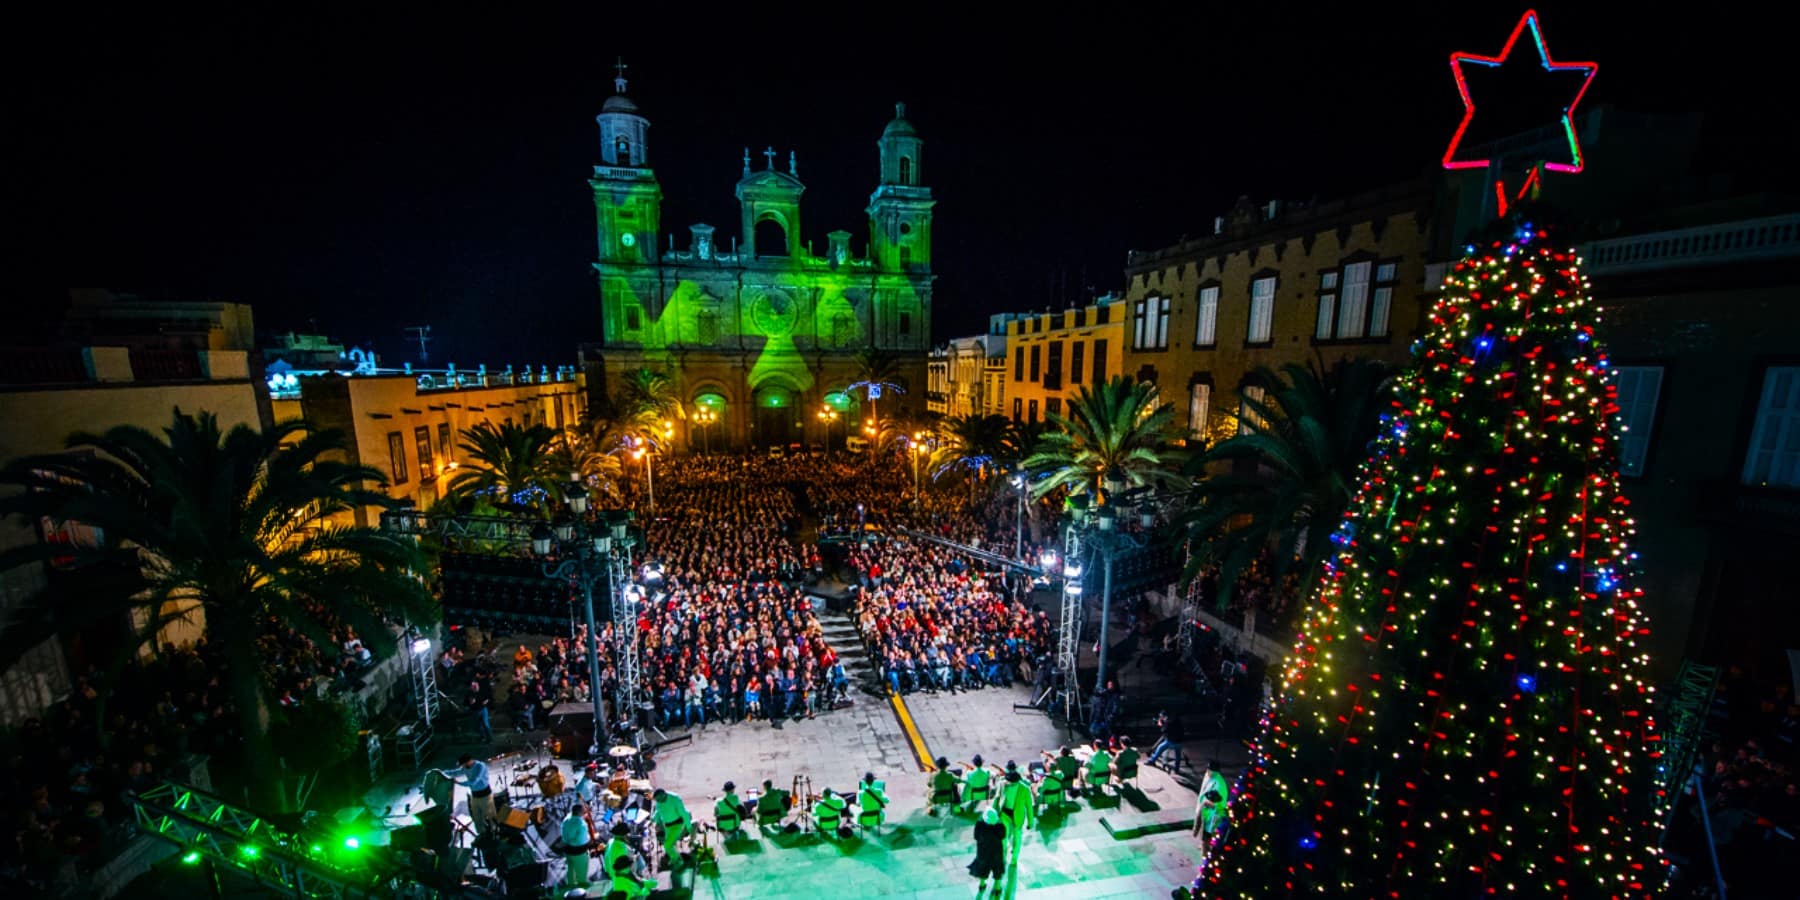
70, 773
1752, 791
726, 633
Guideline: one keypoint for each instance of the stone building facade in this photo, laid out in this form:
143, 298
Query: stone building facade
756, 326
1271, 286
1054, 354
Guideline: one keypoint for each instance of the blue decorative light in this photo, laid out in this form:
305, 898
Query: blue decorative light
1309, 842
1584, 337
1562, 566
1526, 683
1484, 343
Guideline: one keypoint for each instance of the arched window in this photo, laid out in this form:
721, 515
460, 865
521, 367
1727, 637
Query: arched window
906, 170
622, 150
771, 238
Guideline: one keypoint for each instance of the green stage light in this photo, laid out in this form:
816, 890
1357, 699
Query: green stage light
318, 849
352, 843
191, 857
250, 851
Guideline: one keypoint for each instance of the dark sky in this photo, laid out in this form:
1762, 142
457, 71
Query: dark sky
369, 174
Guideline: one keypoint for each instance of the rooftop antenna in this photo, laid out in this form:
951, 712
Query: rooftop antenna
423, 333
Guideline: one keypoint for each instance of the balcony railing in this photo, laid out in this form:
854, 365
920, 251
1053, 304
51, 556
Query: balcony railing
1775, 237
165, 365
42, 365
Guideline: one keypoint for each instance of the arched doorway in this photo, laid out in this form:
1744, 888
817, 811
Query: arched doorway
775, 412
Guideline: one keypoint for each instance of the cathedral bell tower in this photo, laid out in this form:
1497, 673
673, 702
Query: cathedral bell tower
900, 208
627, 198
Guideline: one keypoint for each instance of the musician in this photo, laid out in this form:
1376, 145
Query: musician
589, 785
576, 841
1018, 809
978, 784
944, 783
1067, 767
672, 815
1099, 768
728, 811
870, 798
622, 864
1050, 790
828, 813
773, 802
473, 773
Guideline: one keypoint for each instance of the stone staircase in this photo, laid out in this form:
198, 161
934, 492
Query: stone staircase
840, 632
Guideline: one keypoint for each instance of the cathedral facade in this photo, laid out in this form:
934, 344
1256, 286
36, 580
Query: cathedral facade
753, 327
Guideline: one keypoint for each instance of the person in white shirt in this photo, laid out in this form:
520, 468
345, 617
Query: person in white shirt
576, 841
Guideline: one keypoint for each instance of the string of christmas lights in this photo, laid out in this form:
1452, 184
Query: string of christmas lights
1464, 711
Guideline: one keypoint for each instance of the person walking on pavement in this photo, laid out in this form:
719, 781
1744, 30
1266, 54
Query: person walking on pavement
1169, 727
479, 701
1211, 807
990, 850
672, 815
1017, 807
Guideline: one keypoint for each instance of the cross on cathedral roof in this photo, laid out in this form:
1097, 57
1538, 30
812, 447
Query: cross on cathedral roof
619, 75
769, 154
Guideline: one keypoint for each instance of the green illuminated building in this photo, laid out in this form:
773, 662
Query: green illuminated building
755, 325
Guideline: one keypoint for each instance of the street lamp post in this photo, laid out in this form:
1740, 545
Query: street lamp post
583, 561
918, 451
828, 416
1019, 535
705, 417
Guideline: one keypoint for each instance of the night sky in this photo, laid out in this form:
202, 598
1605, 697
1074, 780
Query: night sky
357, 175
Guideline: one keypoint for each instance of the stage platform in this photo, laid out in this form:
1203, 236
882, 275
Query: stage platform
1136, 846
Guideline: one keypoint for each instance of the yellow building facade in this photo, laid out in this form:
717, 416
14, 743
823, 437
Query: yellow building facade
1051, 356
1272, 286
409, 425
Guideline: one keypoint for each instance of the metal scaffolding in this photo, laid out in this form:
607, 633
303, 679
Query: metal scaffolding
1068, 631
1684, 722
243, 842
623, 594
491, 531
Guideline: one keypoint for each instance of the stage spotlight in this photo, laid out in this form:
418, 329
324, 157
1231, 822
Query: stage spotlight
421, 645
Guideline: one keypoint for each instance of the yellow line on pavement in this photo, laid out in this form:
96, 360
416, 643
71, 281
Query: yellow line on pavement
912, 732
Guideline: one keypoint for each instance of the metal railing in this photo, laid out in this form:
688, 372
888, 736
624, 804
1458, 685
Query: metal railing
1773, 237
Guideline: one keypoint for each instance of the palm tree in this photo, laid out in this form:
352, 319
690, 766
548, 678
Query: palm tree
649, 397
1115, 432
509, 463
974, 445
233, 527
1281, 488
582, 453
877, 372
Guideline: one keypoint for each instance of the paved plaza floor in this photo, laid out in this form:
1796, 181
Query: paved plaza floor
1138, 846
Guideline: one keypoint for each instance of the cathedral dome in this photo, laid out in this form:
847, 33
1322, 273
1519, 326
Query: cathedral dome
899, 127
620, 103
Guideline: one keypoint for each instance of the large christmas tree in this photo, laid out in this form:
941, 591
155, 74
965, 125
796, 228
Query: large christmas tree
1465, 709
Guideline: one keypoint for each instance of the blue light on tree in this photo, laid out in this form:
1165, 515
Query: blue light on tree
1526, 683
